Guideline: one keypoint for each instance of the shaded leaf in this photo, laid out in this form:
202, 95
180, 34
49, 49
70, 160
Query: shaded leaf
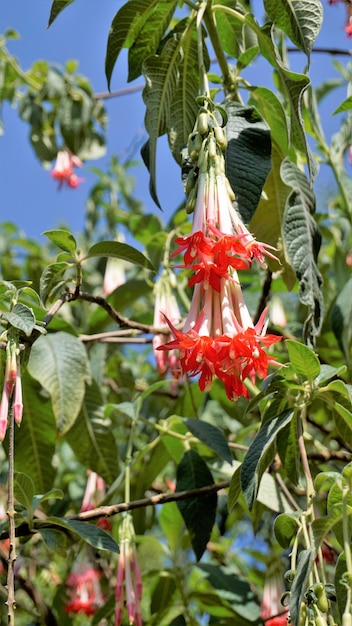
341, 320
260, 454
93, 535
90, 436
234, 489
198, 513
248, 156
24, 489
304, 565
35, 439
124, 30
162, 593
212, 436
302, 240
51, 278
285, 528
59, 362
119, 250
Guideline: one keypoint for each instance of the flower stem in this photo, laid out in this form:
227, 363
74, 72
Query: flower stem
11, 602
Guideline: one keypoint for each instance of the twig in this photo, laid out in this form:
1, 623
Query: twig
160, 498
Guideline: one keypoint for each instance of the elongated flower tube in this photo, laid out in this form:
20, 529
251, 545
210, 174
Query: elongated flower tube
129, 580
64, 171
219, 338
271, 610
84, 589
165, 305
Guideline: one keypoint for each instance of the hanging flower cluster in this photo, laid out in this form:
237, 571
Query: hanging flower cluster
12, 389
129, 580
64, 169
219, 338
84, 589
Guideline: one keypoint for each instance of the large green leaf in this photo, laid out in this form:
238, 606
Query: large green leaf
93, 535
235, 37
56, 8
269, 106
161, 74
119, 250
125, 28
90, 436
267, 222
147, 42
35, 439
248, 156
260, 454
288, 449
300, 20
212, 436
59, 362
184, 108
63, 239
302, 240
304, 565
198, 513
20, 317
304, 361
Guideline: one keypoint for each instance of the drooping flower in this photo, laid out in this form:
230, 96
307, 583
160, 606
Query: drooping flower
219, 338
63, 170
12, 387
272, 611
129, 580
84, 589
93, 495
165, 305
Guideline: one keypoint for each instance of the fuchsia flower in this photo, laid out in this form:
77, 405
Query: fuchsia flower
84, 589
219, 338
129, 580
165, 307
272, 612
93, 495
64, 169
12, 386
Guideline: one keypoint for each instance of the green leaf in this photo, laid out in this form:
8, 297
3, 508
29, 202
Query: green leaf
248, 156
340, 587
56, 8
304, 361
304, 566
161, 74
124, 30
51, 278
285, 529
54, 540
235, 589
149, 36
341, 320
212, 437
235, 37
62, 239
184, 108
302, 240
21, 317
343, 421
269, 106
59, 362
35, 439
198, 513
260, 454
288, 450
162, 592
24, 490
119, 251
90, 436
346, 105
234, 489
301, 21
171, 524
93, 535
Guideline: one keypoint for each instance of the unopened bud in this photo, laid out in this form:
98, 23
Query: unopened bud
220, 137
190, 181
203, 123
212, 147
18, 404
194, 145
347, 619
322, 600
191, 201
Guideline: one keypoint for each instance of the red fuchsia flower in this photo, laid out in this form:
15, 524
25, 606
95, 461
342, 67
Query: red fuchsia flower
272, 611
165, 306
64, 169
84, 589
219, 338
129, 580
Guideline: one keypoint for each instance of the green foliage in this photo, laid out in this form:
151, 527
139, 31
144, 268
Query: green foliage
94, 401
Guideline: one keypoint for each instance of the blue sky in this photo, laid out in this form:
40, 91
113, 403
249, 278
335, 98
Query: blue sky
30, 196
